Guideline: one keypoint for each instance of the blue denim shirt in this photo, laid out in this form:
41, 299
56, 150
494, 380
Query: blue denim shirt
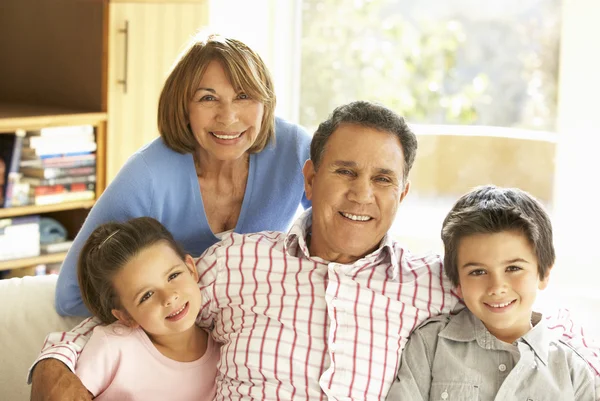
456, 358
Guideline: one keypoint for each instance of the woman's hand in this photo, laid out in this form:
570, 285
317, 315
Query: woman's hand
53, 381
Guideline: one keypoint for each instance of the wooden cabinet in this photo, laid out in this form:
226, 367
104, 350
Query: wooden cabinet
103, 63
144, 39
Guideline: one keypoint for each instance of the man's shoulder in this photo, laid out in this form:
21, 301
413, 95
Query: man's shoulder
415, 261
259, 239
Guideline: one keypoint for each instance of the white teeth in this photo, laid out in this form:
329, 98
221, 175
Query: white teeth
177, 312
500, 305
356, 217
227, 136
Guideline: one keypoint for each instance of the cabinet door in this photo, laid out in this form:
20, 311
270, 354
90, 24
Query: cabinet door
144, 39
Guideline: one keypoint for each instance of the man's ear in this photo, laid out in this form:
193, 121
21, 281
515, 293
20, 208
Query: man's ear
309, 175
544, 282
189, 262
124, 318
405, 191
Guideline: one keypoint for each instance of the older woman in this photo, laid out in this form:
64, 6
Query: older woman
223, 162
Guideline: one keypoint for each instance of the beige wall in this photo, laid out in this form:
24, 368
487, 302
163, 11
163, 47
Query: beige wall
450, 165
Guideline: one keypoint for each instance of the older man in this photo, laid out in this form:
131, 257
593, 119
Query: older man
323, 311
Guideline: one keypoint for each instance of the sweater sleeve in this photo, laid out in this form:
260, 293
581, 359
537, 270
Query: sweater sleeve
129, 195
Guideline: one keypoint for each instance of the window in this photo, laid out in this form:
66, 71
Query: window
477, 80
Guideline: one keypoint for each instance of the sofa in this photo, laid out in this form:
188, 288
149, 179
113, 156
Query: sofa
26, 315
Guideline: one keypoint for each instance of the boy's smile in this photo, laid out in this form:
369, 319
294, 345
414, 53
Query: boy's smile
499, 279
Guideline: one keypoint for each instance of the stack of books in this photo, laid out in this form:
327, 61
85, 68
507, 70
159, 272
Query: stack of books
19, 237
58, 164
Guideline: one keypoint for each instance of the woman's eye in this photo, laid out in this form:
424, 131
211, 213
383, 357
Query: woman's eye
207, 98
146, 296
243, 96
172, 276
513, 268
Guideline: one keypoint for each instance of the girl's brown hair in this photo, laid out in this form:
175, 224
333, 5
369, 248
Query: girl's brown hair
244, 68
106, 251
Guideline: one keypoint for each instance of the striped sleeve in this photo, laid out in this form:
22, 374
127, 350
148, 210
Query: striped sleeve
562, 326
66, 346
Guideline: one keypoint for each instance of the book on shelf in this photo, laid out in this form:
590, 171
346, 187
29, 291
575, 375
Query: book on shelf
78, 160
35, 142
63, 131
2, 171
57, 172
19, 237
33, 181
11, 153
61, 188
56, 247
50, 199
58, 149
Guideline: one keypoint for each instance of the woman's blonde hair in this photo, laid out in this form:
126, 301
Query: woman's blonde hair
244, 68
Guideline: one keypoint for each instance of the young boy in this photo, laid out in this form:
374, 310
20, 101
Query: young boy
498, 253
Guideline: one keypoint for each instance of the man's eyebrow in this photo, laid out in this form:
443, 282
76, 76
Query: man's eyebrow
379, 170
344, 163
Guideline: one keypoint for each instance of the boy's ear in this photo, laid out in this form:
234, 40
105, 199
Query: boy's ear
191, 265
544, 282
458, 290
124, 318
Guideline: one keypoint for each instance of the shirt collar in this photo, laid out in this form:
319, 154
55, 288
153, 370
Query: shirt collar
300, 230
466, 327
537, 338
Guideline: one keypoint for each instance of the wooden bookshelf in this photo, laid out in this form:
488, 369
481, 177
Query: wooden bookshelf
26, 116
26, 210
20, 116
33, 261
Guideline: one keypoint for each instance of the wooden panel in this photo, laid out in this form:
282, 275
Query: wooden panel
27, 116
26, 210
157, 33
51, 53
28, 262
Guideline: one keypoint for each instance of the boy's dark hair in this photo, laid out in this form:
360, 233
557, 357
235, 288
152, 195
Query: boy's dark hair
106, 251
369, 115
490, 209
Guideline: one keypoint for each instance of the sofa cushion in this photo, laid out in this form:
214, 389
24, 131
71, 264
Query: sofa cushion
27, 315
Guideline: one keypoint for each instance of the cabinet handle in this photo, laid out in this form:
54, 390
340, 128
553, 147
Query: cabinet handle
125, 31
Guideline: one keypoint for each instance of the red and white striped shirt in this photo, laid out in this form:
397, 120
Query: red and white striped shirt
296, 327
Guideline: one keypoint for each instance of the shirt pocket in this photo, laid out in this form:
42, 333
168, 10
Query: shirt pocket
454, 392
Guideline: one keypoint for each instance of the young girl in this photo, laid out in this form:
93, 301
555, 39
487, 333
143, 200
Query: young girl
137, 280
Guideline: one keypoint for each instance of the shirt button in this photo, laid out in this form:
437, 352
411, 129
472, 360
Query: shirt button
332, 348
334, 302
502, 367
444, 395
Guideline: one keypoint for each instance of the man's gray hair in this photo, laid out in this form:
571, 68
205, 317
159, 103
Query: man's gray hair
369, 115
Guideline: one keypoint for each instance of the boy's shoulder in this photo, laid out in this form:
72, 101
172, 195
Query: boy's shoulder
434, 325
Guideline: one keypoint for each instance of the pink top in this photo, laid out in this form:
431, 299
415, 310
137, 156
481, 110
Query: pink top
119, 363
